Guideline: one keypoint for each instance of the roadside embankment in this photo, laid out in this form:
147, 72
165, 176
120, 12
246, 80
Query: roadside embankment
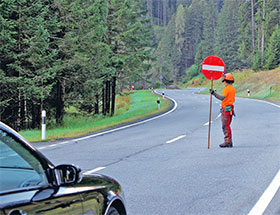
261, 85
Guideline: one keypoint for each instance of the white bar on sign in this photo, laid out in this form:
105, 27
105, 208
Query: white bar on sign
213, 68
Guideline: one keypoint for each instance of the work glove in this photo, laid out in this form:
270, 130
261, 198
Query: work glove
212, 91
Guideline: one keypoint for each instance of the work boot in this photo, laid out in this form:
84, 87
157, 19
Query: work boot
226, 145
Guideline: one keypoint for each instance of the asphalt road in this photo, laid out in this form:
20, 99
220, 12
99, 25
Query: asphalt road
165, 167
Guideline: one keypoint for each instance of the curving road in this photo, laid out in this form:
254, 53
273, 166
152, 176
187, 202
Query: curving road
165, 166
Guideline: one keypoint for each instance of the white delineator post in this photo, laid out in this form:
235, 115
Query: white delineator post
43, 125
158, 102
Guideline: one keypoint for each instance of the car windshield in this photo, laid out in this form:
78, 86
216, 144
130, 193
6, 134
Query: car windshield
18, 167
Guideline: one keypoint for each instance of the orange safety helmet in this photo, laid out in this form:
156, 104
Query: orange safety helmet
228, 77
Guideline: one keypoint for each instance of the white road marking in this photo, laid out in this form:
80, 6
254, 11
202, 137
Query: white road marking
218, 116
207, 123
267, 196
266, 102
175, 139
93, 170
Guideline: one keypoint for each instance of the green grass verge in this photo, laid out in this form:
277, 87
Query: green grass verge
142, 103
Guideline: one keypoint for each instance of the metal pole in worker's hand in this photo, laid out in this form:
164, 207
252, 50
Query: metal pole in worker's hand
210, 113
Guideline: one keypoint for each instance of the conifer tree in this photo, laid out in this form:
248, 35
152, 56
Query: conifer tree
194, 31
206, 45
180, 27
29, 60
166, 54
227, 35
129, 38
273, 50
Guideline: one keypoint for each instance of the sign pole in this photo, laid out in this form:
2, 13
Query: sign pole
212, 68
210, 113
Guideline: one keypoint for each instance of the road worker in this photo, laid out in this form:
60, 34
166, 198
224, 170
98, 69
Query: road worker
227, 108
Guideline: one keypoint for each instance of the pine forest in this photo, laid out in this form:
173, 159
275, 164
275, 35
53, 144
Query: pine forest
60, 53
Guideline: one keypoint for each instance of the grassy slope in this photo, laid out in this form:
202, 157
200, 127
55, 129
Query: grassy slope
128, 108
262, 85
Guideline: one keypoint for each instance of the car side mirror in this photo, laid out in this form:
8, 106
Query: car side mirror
67, 174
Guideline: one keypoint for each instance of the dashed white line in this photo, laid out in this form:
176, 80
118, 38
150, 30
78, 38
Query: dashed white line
267, 196
175, 139
93, 170
207, 123
218, 116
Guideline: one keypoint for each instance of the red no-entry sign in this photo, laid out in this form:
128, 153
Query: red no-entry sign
213, 67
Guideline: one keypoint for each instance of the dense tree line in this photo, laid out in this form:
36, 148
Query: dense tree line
161, 11
244, 33
57, 53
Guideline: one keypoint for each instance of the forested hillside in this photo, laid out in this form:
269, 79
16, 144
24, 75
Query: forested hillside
60, 53
56, 54
244, 33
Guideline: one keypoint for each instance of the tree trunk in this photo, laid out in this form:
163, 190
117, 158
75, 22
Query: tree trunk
158, 12
103, 100
150, 8
60, 101
19, 111
164, 13
36, 116
263, 30
25, 113
113, 96
96, 105
108, 95
253, 26
259, 31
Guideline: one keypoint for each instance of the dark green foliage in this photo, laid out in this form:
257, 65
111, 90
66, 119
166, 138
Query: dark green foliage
227, 35
273, 50
242, 36
207, 43
27, 54
57, 53
166, 54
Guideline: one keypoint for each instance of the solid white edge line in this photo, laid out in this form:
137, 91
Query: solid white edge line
116, 129
131, 125
175, 139
267, 196
93, 170
266, 102
269, 193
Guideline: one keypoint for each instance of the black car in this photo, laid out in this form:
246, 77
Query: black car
31, 184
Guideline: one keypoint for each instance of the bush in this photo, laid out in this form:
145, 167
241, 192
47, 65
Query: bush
156, 84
